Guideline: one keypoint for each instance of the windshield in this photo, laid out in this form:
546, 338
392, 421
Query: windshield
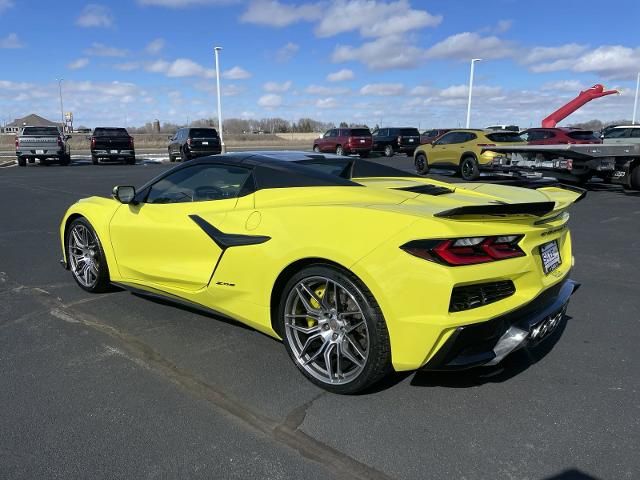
407, 132
53, 131
110, 132
616, 133
582, 135
505, 136
203, 132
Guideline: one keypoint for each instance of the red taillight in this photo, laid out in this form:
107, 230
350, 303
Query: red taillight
93, 142
17, 142
466, 251
399, 139
351, 141
131, 143
189, 141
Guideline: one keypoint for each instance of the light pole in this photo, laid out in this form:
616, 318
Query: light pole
61, 107
222, 145
635, 102
473, 62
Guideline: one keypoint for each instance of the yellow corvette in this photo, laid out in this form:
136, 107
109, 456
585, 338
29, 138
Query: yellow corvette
359, 268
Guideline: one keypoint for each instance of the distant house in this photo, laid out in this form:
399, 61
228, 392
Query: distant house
32, 120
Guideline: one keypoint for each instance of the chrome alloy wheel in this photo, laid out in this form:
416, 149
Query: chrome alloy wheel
83, 255
326, 330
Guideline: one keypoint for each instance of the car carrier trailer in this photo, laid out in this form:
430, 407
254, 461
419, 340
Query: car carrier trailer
575, 163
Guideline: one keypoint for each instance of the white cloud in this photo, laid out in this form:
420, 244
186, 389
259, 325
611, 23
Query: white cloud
382, 89
380, 54
159, 66
11, 41
341, 75
421, 90
275, 87
563, 86
154, 47
102, 50
276, 14
231, 90
287, 52
5, 5
95, 15
467, 45
328, 102
462, 91
236, 73
270, 100
181, 67
373, 18
503, 26
546, 54
78, 64
320, 90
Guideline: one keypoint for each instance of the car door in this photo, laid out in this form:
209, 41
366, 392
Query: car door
161, 240
173, 143
323, 141
442, 150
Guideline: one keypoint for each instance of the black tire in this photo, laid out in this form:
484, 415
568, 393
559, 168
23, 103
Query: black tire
65, 160
339, 150
421, 164
98, 259
364, 154
95, 160
410, 153
469, 169
634, 178
185, 156
316, 148
22, 162
130, 160
378, 350
388, 151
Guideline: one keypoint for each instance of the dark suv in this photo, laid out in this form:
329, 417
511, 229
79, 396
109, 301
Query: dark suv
393, 140
189, 143
345, 141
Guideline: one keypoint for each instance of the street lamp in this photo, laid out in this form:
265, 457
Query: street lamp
61, 107
222, 145
473, 62
635, 102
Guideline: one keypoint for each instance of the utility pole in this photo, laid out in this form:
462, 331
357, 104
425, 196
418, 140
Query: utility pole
222, 145
635, 102
473, 62
64, 124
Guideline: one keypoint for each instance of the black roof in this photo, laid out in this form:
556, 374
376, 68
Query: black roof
282, 169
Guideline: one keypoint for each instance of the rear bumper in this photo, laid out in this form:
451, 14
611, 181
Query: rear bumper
45, 153
487, 343
116, 154
357, 148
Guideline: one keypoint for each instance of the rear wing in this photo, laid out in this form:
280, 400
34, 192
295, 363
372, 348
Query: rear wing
560, 197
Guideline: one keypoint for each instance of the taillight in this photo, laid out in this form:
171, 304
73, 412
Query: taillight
466, 251
60, 144
93, 142
351, 141
189, 141
399, 139
131, 143
17, 141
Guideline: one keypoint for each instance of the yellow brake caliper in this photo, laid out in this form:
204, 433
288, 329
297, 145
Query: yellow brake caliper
314, 303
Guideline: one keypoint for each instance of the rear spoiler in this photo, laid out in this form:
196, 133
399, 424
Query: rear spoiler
537, 209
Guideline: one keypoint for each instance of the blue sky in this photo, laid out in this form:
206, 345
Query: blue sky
372, 61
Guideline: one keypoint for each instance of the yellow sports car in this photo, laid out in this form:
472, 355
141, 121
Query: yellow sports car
463, 151
359, 268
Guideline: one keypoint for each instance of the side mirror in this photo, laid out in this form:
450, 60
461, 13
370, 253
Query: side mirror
433, 142
124, 193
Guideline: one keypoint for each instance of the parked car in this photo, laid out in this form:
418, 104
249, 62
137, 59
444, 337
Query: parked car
345, 141
627, 171
622, 134
348, 303
112, 143
558, 136
429, 136
190, 143
396, 140
462, 150
43, 144
510, 128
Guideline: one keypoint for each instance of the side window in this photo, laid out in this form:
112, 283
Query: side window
199, 183
468, 136
447, 139
534, 135
333, 133
635, 133
548, 134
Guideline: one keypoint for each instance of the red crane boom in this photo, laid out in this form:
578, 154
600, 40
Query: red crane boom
585, 96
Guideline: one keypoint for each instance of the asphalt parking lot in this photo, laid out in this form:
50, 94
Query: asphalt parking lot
119, 386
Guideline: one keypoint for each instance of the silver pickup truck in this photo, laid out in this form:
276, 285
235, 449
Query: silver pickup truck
43, 143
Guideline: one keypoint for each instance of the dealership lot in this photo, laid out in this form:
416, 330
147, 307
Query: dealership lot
117, 385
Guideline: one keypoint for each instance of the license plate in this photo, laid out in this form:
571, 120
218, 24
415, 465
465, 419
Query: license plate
205, 143
114, 151
39, 152
411, 140
550, 255
618, 174
362, 140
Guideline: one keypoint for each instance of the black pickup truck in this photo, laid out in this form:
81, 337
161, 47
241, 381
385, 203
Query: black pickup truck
112, 143
396, 140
